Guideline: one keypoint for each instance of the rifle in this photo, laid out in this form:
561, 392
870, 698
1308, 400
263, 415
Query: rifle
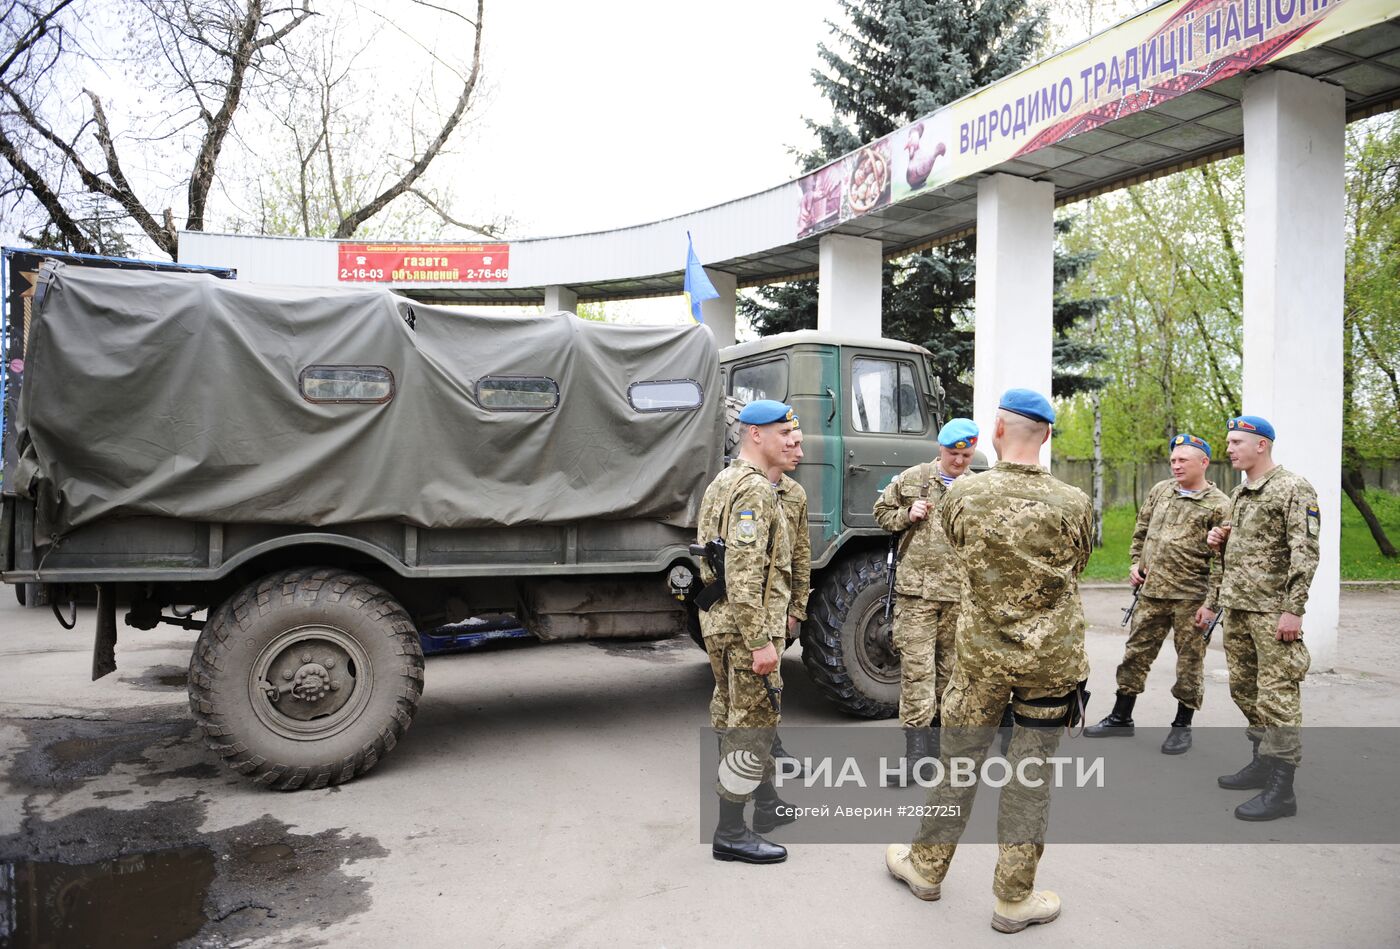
1213, 623
1220, 611
891, 565
713, 552
774, 693
1131, 607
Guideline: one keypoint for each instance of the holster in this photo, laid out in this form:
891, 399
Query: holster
1053, 711
713, 552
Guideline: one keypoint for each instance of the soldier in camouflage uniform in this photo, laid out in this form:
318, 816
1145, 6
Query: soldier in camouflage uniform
927, 588
1172, 570
1270, 550
746, 630
793, 500
794, 505
1023, 538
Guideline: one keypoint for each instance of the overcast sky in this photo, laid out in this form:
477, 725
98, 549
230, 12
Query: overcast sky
617, 112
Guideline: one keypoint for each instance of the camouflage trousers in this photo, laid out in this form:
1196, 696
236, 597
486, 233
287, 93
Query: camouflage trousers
742, 716
972, 709
1152, 620
923, 634
1264, 681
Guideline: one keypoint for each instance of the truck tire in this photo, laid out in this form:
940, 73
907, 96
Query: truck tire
732, 408
846, 644
344, 659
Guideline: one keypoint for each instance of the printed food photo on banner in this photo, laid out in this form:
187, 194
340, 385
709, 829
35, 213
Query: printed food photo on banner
868, 178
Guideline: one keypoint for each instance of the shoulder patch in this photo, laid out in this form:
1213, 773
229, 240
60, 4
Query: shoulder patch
1314, 520
745, 528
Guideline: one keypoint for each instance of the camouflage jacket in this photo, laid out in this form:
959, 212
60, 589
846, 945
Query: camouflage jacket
928, 567
794, 500
741, 505
1023, 537
1271, 554
1170, 541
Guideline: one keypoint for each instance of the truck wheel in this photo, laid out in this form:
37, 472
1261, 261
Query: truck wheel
846, 643
732, 408
306, 678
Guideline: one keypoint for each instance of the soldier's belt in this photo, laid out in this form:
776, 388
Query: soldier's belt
1052, 711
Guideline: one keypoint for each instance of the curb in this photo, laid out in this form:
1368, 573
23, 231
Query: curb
1346, 584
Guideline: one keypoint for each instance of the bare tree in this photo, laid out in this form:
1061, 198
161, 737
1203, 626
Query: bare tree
344, 164
205, 60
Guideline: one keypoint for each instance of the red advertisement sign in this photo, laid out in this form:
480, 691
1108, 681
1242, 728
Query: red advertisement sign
424, 263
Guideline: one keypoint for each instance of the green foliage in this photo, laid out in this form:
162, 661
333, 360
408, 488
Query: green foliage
1169, 269
901, 59
898, 60
1111, 561
1169, 262
1372, 301
781, 307
594, 312
1360, 560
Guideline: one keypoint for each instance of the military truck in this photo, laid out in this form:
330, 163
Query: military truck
330, 472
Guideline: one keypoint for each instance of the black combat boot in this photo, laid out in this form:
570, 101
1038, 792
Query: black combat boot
734, 841
782, 754
1179, 738
1276, 800
1119, 722
1008, 722
770, 811
915, 747
1253, 775
933, 743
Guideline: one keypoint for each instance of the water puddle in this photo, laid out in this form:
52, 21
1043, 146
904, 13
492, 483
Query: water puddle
107, 903
668, 651
148, 875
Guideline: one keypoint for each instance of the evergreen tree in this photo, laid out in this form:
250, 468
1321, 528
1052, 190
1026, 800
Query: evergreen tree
897, 61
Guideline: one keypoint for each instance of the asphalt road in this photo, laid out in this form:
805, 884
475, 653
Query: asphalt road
548, 796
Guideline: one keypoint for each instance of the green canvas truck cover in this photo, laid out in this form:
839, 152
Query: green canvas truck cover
180, 396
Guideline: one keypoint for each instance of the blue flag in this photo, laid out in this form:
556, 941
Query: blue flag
698, 287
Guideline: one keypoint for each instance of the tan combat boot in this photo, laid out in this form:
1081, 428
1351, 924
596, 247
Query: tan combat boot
902, 868
1042, 906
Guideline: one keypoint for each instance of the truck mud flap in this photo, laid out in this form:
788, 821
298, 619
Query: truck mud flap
104, 647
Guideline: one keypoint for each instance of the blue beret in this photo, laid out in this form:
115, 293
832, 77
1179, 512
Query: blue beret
1029, 403
765, 412
958, 433
1252, 424
1192, 441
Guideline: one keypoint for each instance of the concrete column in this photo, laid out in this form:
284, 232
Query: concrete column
719, 312
1015, 293
848, 286
557, 298
1294, 272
